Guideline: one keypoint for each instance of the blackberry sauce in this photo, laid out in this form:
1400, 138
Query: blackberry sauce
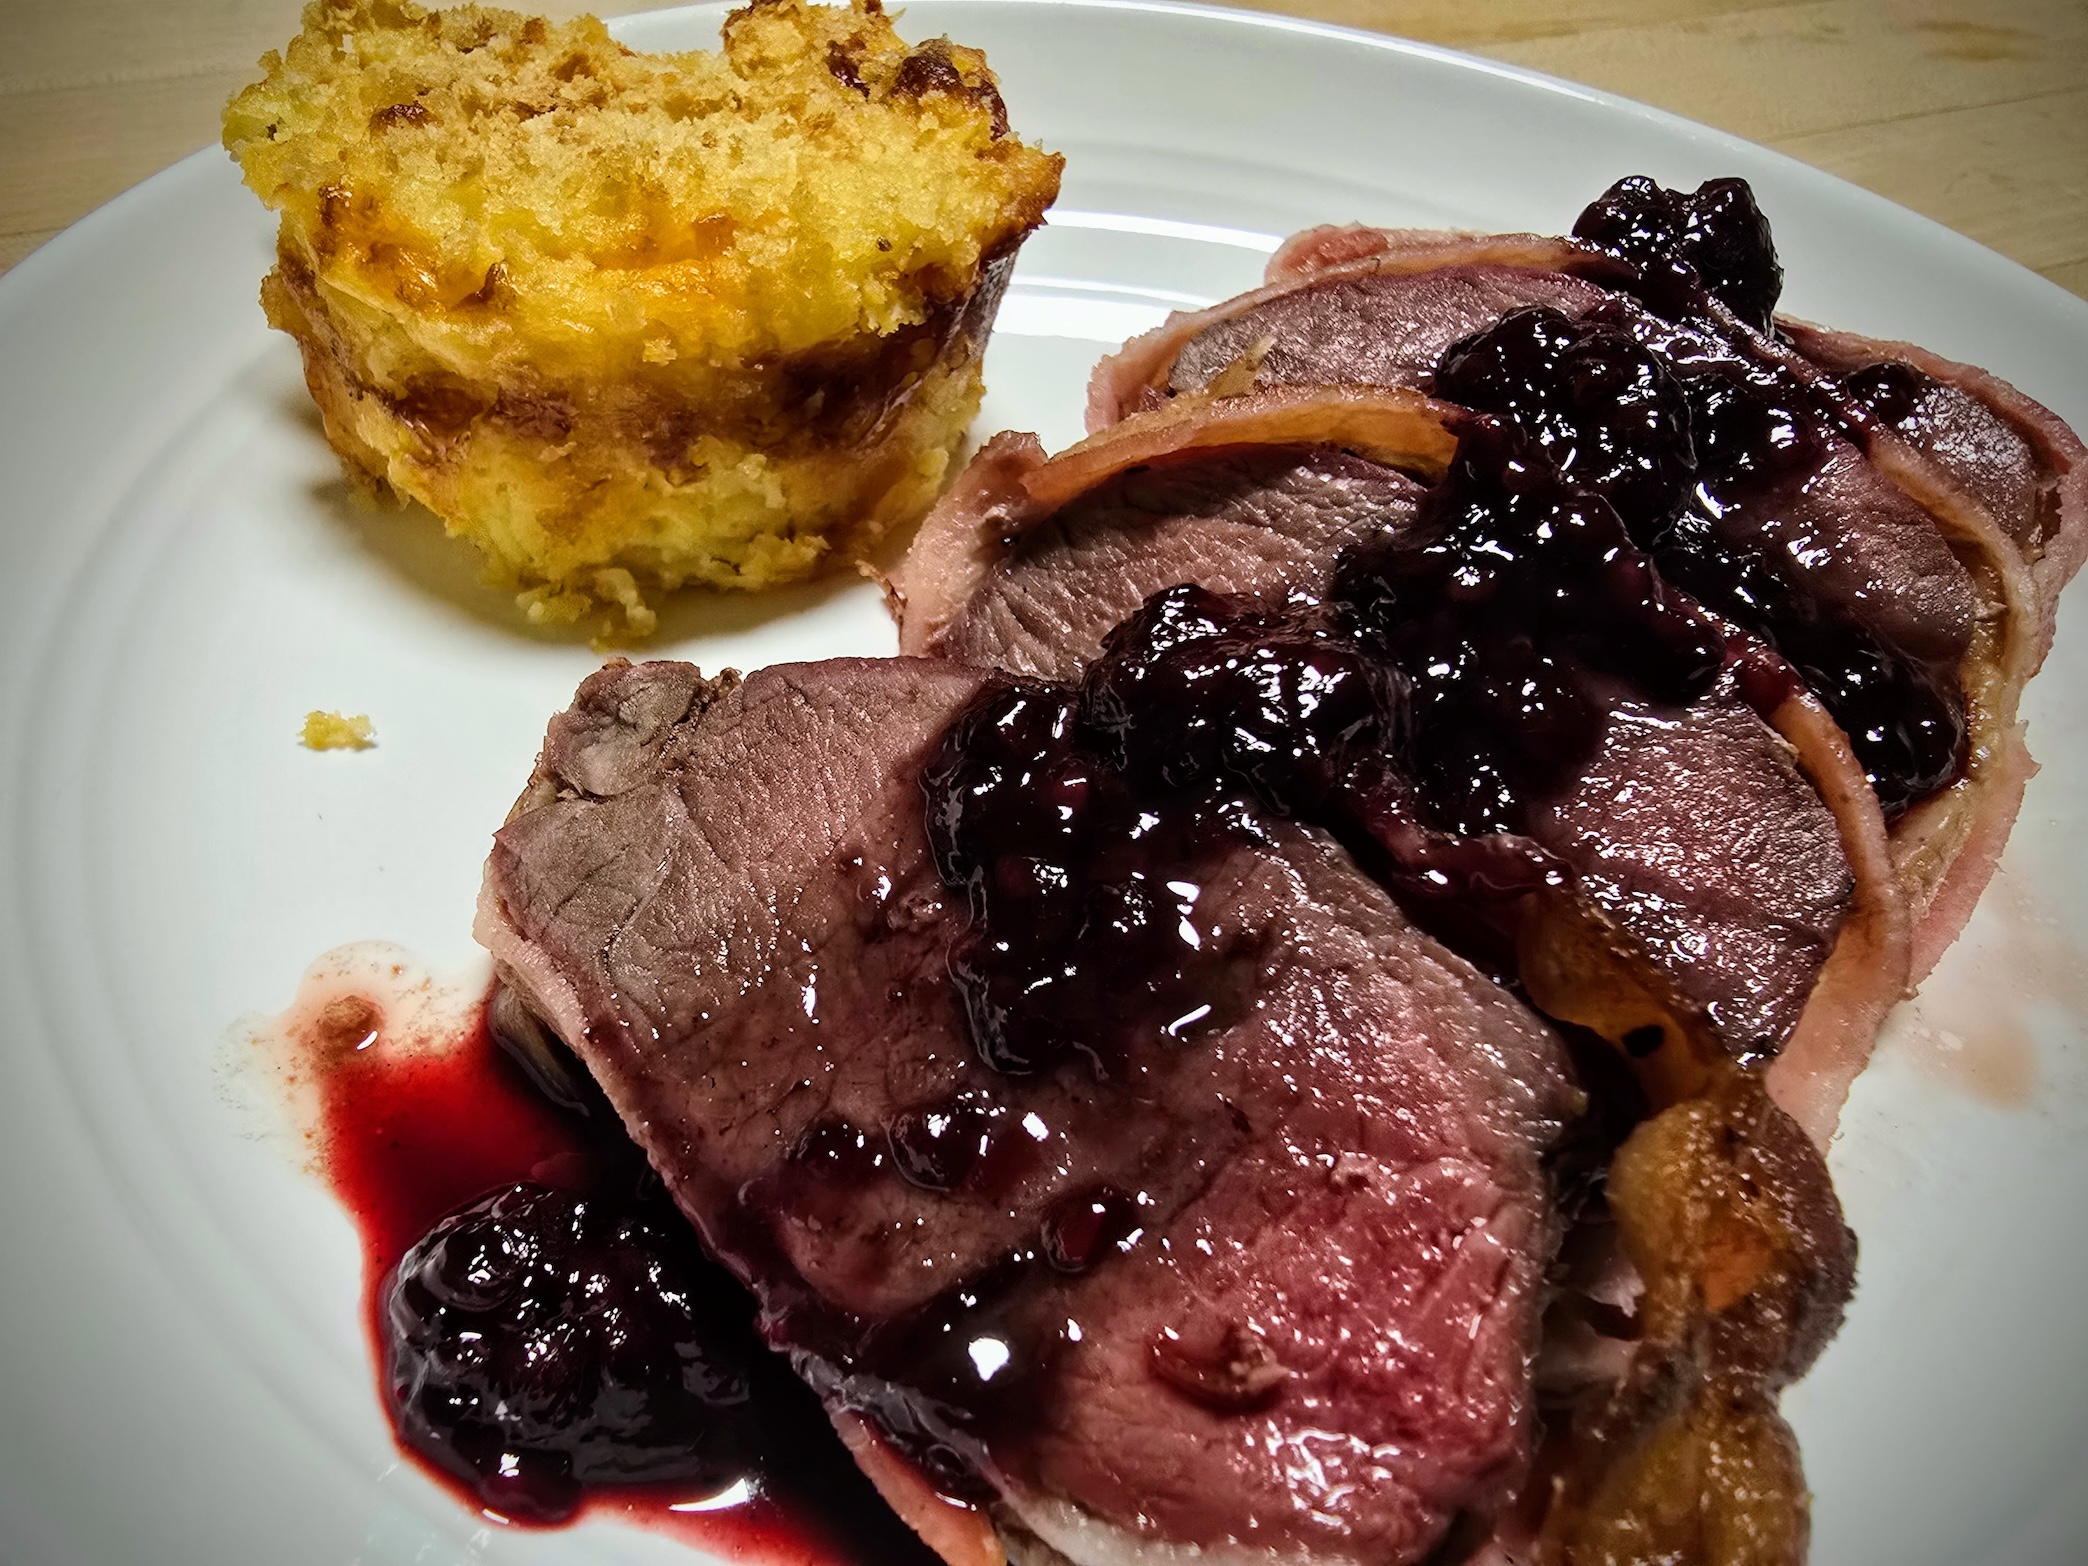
553, 1340
1670, 446
1085, 930
540, 1341
1894, 392
1073, 819
1504, 603
1711, 240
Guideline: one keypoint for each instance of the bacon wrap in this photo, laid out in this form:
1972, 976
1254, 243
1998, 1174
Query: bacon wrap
1010, 485
1947, 847
1918, 882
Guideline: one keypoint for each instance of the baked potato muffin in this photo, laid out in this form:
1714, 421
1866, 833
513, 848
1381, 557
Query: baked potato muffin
631, 321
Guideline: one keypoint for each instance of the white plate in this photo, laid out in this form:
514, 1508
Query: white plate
183, 1376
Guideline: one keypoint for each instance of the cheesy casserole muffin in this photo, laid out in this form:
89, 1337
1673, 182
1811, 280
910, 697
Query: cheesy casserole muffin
631, 321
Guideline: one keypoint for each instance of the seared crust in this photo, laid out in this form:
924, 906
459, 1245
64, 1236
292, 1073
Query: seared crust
1730, 1219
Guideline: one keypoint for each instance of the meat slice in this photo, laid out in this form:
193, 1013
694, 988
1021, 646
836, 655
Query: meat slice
2010, 481
1259, 521
2010, 453
1315, 1344
1372, 329
1837, 528
974, 534
1739, 899
1740, 895
1940, 526
1853, 542
1321, 314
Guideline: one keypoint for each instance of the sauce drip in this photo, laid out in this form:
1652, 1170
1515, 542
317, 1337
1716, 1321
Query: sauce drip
1085, 929
1894, 392
1073, 818
487, 1213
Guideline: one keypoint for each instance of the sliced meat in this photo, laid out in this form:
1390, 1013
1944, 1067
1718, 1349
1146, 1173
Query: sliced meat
1373, 329
1738, 899
1942, 534
2017, 458
1260, 521
1741, 893
1838, 529
1316, 1341
1852, 541
976, 534
2008, 482
1365, 268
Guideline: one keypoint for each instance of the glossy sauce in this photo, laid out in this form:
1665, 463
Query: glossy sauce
1712, 240
1504, 602
411, 1129
1073, 819
1673, 430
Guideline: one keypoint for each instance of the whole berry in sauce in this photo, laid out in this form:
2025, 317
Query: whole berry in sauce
1598, 403
1189, 691
1497, 603
537, 1342
1714, 235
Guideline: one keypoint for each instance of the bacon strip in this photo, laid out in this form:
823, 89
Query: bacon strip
1867, 973
1947, 847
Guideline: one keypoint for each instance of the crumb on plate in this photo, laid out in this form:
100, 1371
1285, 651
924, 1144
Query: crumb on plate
337, 731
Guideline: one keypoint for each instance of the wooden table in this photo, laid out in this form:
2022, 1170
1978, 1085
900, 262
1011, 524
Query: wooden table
1974, 112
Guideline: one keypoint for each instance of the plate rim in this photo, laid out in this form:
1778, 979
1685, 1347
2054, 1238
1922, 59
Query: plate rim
118, 213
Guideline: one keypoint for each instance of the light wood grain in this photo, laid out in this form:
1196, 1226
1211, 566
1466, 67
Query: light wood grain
1975, 114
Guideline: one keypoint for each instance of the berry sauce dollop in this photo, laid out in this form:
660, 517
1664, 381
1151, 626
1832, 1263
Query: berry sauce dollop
1073, 826
1713, 238
1669, 445
554, 1343
1505, 604
1073, 818
538, 1341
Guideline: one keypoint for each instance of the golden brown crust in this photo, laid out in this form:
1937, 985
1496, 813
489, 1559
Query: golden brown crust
1715, 1481
628, 322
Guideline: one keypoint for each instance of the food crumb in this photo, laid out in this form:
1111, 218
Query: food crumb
336, 731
